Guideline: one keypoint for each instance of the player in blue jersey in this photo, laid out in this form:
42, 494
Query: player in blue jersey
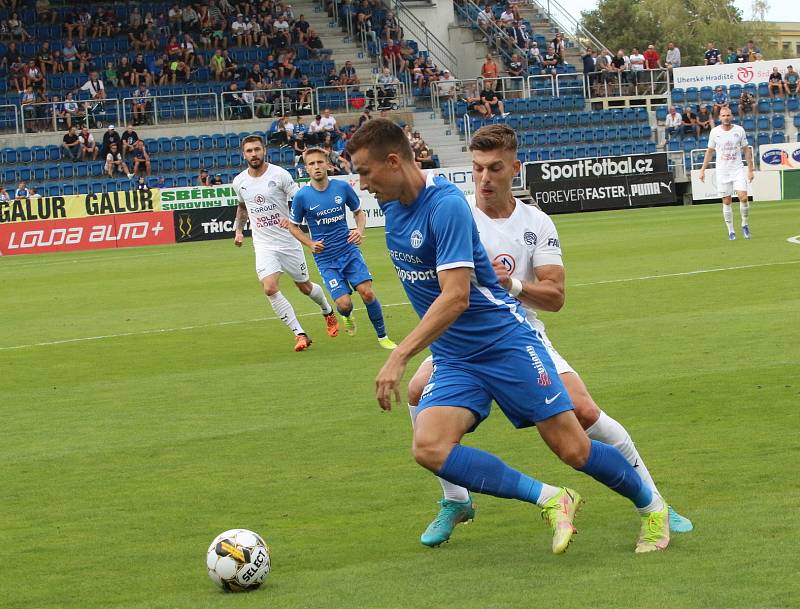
323, 205
483, 348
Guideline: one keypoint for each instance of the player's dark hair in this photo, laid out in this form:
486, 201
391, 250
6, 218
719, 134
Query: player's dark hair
494, 137
380, 137
254, 138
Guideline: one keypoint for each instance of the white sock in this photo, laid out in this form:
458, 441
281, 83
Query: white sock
608, 431
283, 309
744, 210
451, 492
548, 492
318, 296
727, 213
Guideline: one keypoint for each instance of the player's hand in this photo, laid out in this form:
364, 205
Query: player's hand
387, 383
317, 246
284, 223
702, 175
238, 239
502, 274
355, 237
749, 175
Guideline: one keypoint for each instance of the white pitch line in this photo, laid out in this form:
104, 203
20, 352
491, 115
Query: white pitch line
795, 239
218, 324
45, 263
684, 274
395, 304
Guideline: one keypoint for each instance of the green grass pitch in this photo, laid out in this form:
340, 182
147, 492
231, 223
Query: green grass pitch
149, 401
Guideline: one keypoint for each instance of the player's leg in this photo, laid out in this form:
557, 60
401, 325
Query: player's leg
456, 504
374, 312
340, 292
293, 262
269, 278
438, 430
727, 211
740, 185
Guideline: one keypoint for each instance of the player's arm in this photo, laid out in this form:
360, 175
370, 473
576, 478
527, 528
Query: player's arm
297, 233
547, 293
706, 161
354, 204
748, 155
241, 219
453, 300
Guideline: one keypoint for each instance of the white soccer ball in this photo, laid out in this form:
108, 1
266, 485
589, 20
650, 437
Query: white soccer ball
238, 560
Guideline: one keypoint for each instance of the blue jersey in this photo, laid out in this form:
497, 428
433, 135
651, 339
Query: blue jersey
324, 212
436, 233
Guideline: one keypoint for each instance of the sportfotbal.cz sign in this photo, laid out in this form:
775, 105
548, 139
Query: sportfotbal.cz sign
728, 74
568, 186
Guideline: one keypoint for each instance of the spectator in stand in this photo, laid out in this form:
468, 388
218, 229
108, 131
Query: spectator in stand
689, 122
203, 179
636, 61
790, 80
472, 98
423, 158
69, 55
217, 65
71, 110
705, 121
110, 75
489, 72
299, 147
391, 27
720, 101
115, 163
447, 85
550, 60
111, 137
216, 180
589, 61
338, 164
392, 57
485, 22
141, 158
18, 31
141, 184
71, 145
329, 126
33, 76
129, 139
139, 100
730, 55
603, 67
619, 69
559, 46
178, 70
27, 99
747, 103
4, 196
241, 33
45, 60
652, 58
751, 51
89, 147
315, 47
22, 191
347, 75
44, 12
316, 131
493, 104
776, 83
94, 87
141, 73
239, 109
673, 123
712, 55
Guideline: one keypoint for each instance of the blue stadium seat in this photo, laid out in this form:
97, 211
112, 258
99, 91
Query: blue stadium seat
53, 152
206, 142
164, 144
97, 187
10, 176
762, 138
82, 170
193, 143
179, 144
793, 104
678, 95
778, 121
763, 89
152, 146
194, 162
68, 190
778, 137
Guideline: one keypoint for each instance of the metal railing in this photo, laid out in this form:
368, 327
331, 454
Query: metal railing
263, 103
570, 84
564, 20
467, 128
416, 30
541, 84
497, 36
356, 98
161, 109
697, 164
50, 116
628, 83
9, 118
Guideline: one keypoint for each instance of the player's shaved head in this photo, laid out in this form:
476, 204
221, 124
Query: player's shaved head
494, 137
381, 137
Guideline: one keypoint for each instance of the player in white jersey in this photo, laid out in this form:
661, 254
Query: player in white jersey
264, 192
730, 141
523, 245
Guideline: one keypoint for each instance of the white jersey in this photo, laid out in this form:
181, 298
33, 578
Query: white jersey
267, 200
728, 145
523, 241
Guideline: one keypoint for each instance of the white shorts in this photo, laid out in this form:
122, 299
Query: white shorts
730, 184
562, 366
291, 261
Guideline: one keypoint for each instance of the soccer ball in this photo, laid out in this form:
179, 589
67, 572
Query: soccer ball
238, 560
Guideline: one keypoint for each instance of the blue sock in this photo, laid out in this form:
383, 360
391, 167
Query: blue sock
607, 465
482, 472
376, 317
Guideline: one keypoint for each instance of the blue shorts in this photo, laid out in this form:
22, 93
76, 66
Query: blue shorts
518, 374
345, 273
